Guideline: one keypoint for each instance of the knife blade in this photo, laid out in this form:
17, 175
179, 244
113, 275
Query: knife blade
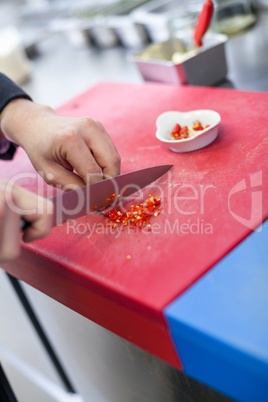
95, 197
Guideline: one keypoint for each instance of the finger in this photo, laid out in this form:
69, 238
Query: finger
58, 175
38, 229
36, 210
10, 228
105, 152
81, 159
41, 223
104, 132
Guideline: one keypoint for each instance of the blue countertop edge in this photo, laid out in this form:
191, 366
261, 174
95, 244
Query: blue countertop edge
220, 324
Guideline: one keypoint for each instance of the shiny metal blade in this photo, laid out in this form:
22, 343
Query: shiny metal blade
94, 197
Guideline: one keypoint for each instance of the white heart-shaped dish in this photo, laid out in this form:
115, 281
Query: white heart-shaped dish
199, 139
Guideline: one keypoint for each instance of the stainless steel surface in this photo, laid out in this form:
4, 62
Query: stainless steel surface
232, 16
107, 24
93, 20
156, 16
76, 203
205, 67
247, 58
102, 35
260, 4
130, 34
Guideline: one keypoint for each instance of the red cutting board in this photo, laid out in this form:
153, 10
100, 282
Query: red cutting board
123, 280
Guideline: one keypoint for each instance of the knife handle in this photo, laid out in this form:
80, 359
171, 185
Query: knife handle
24, 224
203, 22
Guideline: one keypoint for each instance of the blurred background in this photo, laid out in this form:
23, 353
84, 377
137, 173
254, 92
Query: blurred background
55, 50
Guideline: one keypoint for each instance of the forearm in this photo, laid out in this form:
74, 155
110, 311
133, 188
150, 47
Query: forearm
13, 118
19, 118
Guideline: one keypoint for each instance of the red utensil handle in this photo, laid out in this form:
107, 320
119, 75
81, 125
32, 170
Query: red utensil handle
203, 22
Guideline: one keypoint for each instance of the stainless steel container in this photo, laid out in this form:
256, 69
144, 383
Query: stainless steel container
155, 16
232, 16
101, 34
94, 23
131, 34
205, 66
110, 24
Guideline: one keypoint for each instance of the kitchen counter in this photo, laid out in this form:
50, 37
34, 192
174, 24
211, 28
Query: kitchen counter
127, 281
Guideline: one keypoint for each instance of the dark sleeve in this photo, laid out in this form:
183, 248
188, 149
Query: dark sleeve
8, 92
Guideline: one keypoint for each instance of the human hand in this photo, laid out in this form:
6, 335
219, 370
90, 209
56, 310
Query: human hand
16, 202
57, 146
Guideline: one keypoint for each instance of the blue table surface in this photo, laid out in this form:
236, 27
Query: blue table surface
220, 324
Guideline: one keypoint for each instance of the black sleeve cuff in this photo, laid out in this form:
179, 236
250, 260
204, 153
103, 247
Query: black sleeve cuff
9, 91
8, 155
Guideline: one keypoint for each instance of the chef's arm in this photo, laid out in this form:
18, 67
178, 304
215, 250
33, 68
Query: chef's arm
66, 151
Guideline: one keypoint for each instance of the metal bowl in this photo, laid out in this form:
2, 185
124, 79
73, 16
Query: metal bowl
204, 66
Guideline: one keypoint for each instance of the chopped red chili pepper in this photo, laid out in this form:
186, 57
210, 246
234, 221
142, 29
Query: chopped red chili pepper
136, 215
179, 132
197, 125
176, 130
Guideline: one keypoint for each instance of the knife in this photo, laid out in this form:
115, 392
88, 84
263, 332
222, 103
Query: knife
96, 197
